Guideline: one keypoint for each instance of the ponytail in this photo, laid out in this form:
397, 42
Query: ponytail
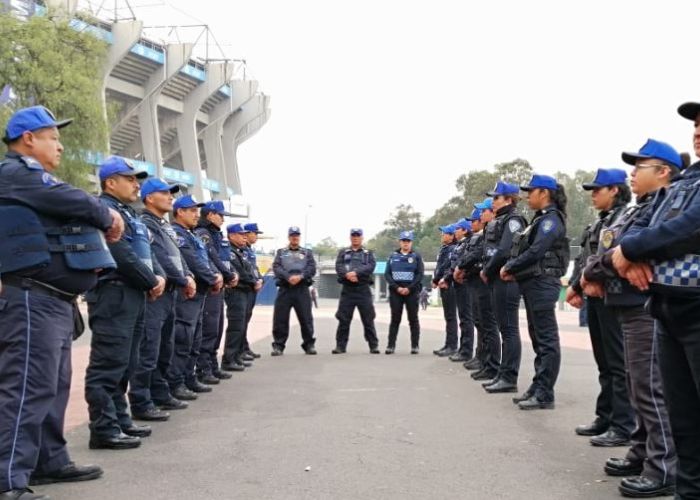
558, 197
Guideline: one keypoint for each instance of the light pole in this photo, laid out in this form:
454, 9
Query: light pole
306, 226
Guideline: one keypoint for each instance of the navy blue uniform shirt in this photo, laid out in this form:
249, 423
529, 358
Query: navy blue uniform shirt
444, 261
23, 181
664, 238
165, 250
309, 266
200, 267
548, 229
130, 268
361, 261
212, 237
415, 284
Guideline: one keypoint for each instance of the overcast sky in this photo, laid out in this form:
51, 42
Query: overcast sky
377, 103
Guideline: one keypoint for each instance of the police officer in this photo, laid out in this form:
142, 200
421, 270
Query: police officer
294, 269
209, 231
404, 276
539, 258
187, 329
652, 457
252, 232
237, 300
614, 420
491, 343
441, 280
505, 294
149, 393
354, 267
467, 272
668, 238
116, 313
462, 298
39, 288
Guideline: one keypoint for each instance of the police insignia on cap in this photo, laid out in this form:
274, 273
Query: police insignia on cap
607, 239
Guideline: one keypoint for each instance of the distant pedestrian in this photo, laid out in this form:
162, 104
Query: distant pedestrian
314, 296
424, 297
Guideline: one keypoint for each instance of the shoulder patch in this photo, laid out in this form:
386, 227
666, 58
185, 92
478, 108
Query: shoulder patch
48, 180
205, 237
514, 225
547, 226
181, 241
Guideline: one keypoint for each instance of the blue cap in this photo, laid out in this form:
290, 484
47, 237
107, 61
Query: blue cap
464, 224
503, 189
476, 215
539, 181
356, 231
294, 230
655, 149
187, 201
252, 227
116, 165
406, 235
155, 185
606, 177
30, 119
689, 110
448, 229
217, 207
235, 228
487, 204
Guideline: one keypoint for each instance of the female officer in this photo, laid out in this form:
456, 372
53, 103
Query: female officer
539, 257
505, 295
404, 276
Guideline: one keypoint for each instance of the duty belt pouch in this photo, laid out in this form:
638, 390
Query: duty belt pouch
78, 323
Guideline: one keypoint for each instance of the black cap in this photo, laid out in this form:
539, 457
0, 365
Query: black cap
689, 110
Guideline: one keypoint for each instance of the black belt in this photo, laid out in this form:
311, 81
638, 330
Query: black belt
38, 287
111, 282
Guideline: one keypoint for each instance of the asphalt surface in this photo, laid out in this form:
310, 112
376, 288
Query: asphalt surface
360, 426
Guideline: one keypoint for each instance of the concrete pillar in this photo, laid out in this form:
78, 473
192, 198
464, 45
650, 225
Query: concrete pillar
124, 35
231, 129
253, 127
216, 147
217, 75
176, 57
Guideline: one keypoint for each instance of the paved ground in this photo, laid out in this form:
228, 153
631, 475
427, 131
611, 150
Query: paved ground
366, 426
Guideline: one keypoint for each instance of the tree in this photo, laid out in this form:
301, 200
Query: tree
580, 211
327, 246
403, 218
47, 62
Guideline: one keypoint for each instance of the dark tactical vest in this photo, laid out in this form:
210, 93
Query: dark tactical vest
556, 259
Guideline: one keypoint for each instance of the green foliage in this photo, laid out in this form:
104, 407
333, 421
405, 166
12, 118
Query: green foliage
579, 208
49, 63
326, 247
404, 218
472, 188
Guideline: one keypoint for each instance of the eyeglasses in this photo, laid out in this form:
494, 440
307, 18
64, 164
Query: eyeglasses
648, 165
